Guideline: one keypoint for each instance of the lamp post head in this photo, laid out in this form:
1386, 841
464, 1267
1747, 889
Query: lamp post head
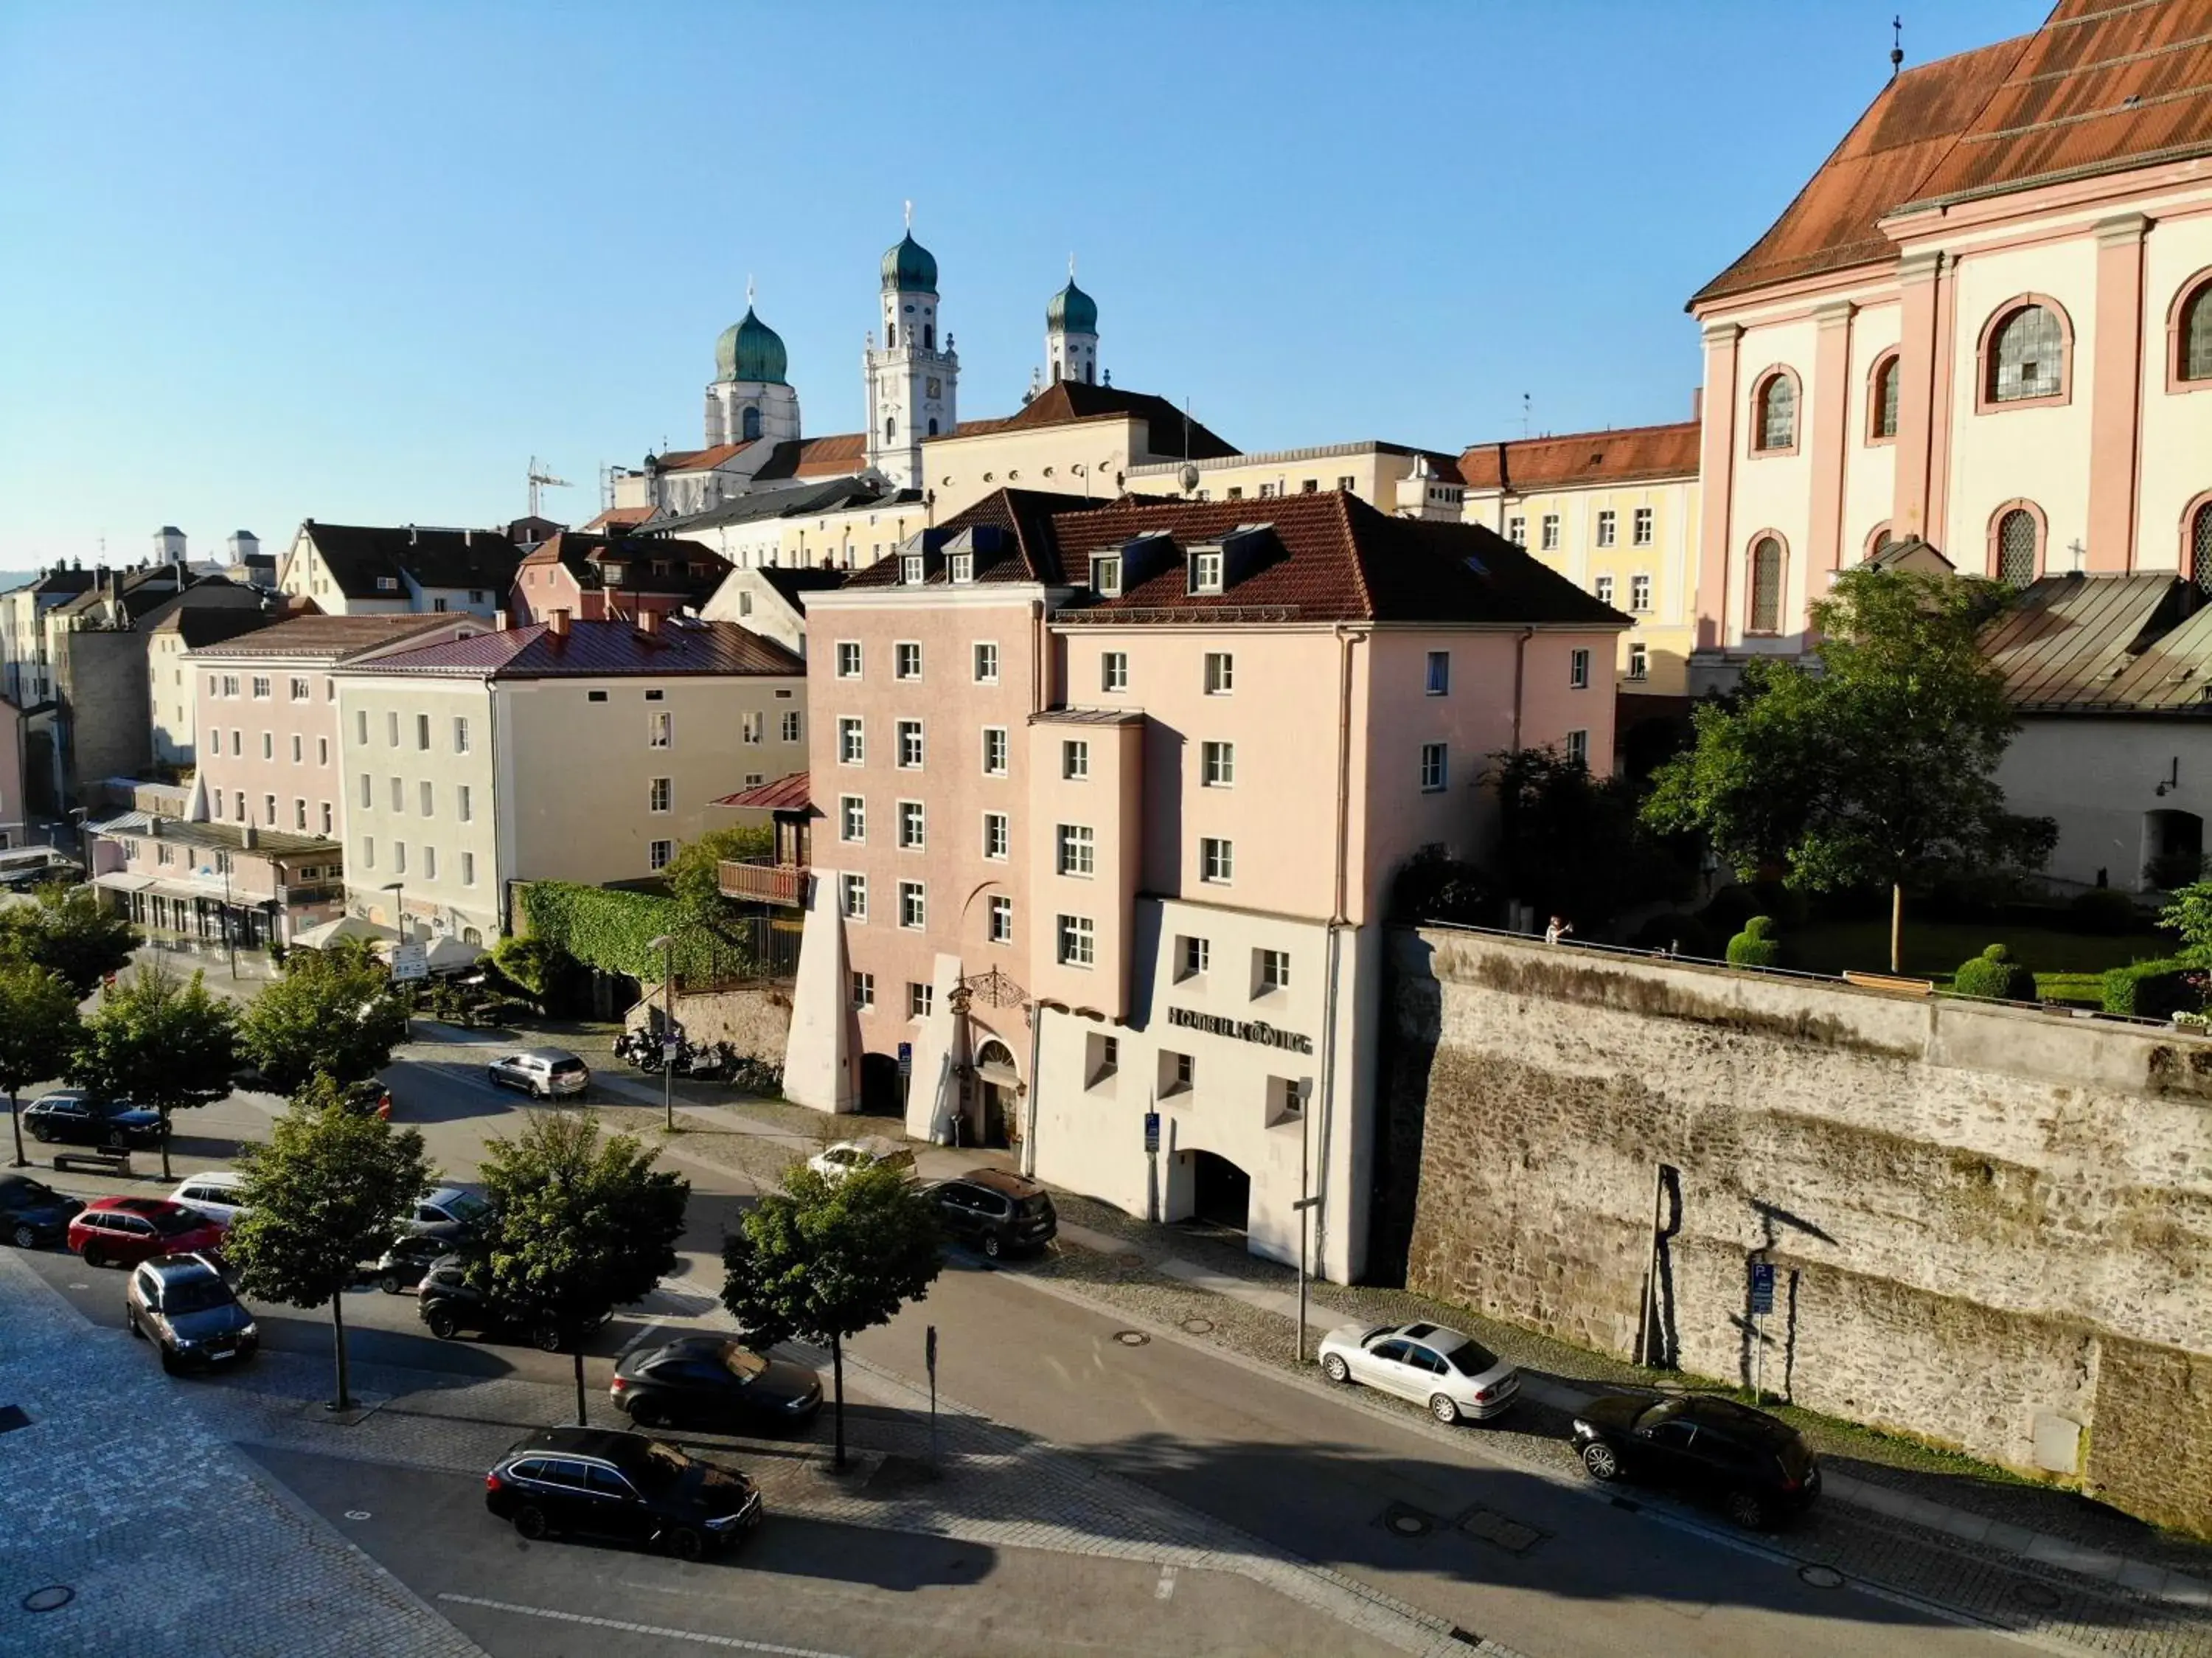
666, 941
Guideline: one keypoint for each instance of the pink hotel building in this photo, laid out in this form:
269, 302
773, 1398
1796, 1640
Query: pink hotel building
1105, 808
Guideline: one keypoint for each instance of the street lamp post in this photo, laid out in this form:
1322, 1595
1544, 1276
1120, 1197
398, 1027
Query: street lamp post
399, 891
229, 933
666, 945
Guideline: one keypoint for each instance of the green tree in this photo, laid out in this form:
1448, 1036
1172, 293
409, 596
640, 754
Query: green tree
1572, 844
824, 1259
580, 1225
334, 1011
38, 1030
159, 1041
1877, 770
694, 874
68, 933
326, 1194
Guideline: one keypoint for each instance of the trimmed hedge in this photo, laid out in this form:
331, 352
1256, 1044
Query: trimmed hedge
2105, 911
612, 930
2150, 990
1756, 946
1994, 974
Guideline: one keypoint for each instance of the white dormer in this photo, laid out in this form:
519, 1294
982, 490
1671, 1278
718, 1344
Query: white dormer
912, 568
963, 568
1205, 571
1106, 575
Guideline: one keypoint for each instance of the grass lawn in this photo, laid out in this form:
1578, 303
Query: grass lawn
2066, 964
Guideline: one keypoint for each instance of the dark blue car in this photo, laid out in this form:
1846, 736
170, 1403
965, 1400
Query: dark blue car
32, 1213
75, 1117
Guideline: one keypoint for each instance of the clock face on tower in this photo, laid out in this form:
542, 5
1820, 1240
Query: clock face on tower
933, 386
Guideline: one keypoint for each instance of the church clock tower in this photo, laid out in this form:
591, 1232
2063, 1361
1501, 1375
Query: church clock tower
913, 375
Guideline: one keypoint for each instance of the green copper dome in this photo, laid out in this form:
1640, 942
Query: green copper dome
1072, 311
909, 268
751, 349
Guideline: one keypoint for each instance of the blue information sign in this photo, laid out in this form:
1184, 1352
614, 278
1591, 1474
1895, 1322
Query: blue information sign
906, 1058
1151, 1131
1762, 1288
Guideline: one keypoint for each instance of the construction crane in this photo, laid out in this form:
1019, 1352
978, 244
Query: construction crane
542, 479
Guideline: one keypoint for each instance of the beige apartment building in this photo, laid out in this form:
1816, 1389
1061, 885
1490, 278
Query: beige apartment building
1406, 482
564, 749
355, 570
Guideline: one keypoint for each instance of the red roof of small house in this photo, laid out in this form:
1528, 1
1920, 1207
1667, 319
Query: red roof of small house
589, 648
788, 792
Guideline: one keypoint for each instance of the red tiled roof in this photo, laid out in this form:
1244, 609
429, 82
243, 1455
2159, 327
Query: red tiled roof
334, 636
1066, 401
1023, 518
699, 461
596, 648
786, 794
621, 517
1526, 464
2099, 87
696, 569
814, 457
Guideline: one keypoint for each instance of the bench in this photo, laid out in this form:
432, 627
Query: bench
99, 1158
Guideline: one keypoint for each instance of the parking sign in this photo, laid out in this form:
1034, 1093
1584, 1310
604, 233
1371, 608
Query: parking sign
1762, 1288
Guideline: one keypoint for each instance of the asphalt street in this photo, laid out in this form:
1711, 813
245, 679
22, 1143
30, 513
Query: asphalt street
1493, 1544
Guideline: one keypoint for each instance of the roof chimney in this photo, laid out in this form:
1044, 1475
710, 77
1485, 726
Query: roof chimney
648, 621
556, 623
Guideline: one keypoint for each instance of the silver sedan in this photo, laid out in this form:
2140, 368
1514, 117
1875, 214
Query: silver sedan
1454, 1376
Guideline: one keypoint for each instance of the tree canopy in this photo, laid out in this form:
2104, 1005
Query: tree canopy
581, 1224
695, 880
326, 1194
67, 932
1572, 844
1876, 767
159, 1041
39, 1033
333, 1011
824, 1259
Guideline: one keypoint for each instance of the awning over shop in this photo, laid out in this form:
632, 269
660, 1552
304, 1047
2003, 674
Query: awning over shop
327, 933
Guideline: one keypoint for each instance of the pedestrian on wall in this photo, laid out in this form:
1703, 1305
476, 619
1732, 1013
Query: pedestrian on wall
1558, 930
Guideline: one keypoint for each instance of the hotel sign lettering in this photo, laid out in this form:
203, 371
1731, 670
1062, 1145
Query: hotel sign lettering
1244, 1030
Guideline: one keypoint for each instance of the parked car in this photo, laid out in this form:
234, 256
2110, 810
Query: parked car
603, 1483
33, 1213
366, 1099
448, 1207
401, 1267
77, 1118
999, 1212
711, 1381
184, 1306
541, 1073
448, 1304
1757, 1467
124, 1231
214, 1194
870, 1151
1454, 1376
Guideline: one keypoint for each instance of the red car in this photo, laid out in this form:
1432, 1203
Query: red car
124, 1231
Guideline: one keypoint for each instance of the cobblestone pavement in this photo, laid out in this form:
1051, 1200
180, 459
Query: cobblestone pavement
171, 1543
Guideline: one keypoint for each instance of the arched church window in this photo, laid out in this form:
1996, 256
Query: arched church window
1766, 608
1774, 414
891, 336
2195, 343
1884, 402
2018, 536
2200, 547
2027, 356
1089, 374
933, 425
749, 426
890, 427
928, 336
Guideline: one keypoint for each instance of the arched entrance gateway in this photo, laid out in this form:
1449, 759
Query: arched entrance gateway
1220, 1193
999, 1085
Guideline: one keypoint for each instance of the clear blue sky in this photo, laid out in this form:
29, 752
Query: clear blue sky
361, 262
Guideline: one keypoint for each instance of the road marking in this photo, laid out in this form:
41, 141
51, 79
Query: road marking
734, 1643
357, 1514
1167, 1583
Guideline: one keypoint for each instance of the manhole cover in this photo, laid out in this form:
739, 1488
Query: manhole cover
357, 1514
2041, 1596
52, 1598
1821, 1577
1198, 1326
1509, 1535
1131, 1338
1406, 1521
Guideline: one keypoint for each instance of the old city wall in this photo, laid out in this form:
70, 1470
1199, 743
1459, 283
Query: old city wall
754, 1020
1992, 1226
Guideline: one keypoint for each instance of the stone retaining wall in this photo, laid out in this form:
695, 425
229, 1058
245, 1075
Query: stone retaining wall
1992, 1227
754, 1020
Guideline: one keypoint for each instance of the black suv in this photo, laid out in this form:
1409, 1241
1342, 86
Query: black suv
75, 1117
184, 1305
401, 1266
606, 1483
1760, 1469
998, 1212
448, 1303
32, 1213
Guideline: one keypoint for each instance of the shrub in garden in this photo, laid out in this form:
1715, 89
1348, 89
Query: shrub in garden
1994, 974
2152, 990
2105, 911
1756, 946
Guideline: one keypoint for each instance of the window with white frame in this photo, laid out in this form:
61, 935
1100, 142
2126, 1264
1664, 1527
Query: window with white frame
1640, 527
329, 817
423, 732
864, 992
1220, 673
1578, 747
1551, 533
268, 744
1002, 920
910, 745
962, 567
658, 853
995, 837
1601, 587
299, 748
1639, 593
913, 571
909, 826
1192, 955
1074, 758
791, 726
1218, 765
1517, 530
986, 662
1205, 572
657, 795
660, 729
995, 750
1106, 575
1434, 760
1438, 681
268, 810
1216, 860
1114, 670
322, 751
1178, 1072
851, 818
468, 868
921, 999
1639, 662
1076, 844
913, 904
906, 660
261, 687
300, 815
1270, 971
301, 691
391, 728
1578, 670
1609, 523
460, 733
848, 659
852, 744
1077, 943
852, 896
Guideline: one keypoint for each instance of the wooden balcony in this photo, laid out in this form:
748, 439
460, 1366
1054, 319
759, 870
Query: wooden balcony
763, 881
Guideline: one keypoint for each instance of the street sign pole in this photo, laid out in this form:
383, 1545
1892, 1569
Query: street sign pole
1762, 1303
930, 1350
1153, 1166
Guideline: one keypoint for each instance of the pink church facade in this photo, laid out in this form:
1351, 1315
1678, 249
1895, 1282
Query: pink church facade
1985, 324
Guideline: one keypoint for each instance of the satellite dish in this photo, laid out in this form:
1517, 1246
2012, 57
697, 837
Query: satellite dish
1189, 479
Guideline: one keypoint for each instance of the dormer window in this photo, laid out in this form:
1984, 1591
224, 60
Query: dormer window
911, 570
387, 584
1106, 575
963, 567
613, 573
1205, 572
